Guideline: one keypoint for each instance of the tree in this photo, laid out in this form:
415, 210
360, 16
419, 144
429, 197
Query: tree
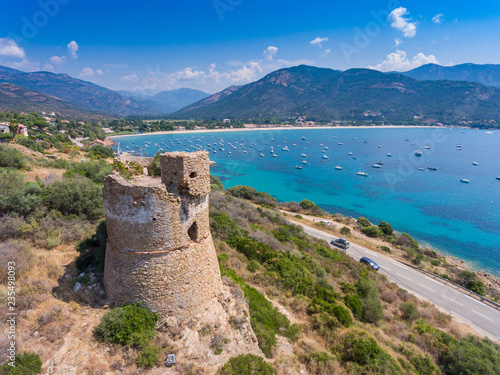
307, 204
386, 228
13, 127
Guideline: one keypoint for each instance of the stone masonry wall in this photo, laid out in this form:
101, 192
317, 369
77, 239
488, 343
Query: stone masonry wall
160, 251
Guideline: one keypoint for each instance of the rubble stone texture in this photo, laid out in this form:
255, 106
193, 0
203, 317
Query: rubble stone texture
160, 251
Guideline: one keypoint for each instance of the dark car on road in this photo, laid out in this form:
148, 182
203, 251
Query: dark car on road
340, 242
370, 263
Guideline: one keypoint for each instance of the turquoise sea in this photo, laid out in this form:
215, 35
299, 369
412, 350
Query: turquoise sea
435, 207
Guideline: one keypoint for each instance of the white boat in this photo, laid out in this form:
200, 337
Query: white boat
432, 168
354, 157
362, 174
261, 155
407, 139
464, 180
303, 138
389, 155
326, 148
285, 149
325, 157
275, 156
421, 169
376, 166
339, 168
380, 163
418, 153
475, 163
303, 155
498, 178
427, 147
350, 153
304, 162
340, 143
298, 167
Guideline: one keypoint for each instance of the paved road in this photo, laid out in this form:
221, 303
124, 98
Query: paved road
483, 317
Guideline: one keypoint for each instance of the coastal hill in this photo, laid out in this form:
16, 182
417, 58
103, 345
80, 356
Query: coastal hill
16, 98
321, 94
83, 94
487, 74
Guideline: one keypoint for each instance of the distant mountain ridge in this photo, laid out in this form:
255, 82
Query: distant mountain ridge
323, 94
166, 102
487, 74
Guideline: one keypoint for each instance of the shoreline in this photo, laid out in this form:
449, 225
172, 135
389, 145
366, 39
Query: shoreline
281, 128
461, 264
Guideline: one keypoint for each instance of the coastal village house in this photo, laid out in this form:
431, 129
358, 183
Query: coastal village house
22, 130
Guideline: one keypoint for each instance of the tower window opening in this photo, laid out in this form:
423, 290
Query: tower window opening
193, 175
193, 232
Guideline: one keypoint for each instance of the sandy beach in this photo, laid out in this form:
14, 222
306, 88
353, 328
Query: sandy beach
274, 128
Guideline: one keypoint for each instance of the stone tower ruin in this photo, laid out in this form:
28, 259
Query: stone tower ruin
159, 250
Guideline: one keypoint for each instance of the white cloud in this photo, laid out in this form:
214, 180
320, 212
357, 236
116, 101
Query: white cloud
99, 72
398, 61
270, 52
130, 78
48, 67
73, 48
326, 52
57, 59
398, 21
24, 65
9, 47
398, 41
87, 73
438, 18
318, 41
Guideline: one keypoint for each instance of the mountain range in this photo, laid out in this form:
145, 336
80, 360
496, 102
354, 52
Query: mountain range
487, 74
430, 93
321, 94
83, 98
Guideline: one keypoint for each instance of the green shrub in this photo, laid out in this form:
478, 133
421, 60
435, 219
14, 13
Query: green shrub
292, 333
409, 311
386, 228
476, 287
345, 231
248, 364
363, 221
472, 355
215, 184
354, 304
222, 226
386, 249
130, 325
26, 363
95, 171
75, 196
149, 356
8, 136
372, 232
154, 168
11, 158
366, 355
247, 192
307, 204
99, 151
16, 195
342, 314
253, 266
372, 310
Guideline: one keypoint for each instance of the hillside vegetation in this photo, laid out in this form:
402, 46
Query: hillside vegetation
312, 308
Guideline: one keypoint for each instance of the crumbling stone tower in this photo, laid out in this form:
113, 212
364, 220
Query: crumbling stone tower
160, 250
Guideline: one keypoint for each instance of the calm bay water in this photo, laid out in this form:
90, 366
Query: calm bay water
460, 219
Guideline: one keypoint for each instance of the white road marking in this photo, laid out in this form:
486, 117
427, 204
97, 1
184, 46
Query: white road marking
475, 300
404, 276
484, 316
434, 281
400, 266
426, 287
453, 312
386, 269
372, 253
451, 299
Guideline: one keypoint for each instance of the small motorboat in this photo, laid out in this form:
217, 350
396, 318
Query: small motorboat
362, 174
475, 163
339, 168
298, 167
464, 180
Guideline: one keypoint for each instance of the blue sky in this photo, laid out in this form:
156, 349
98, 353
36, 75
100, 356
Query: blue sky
211, 44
